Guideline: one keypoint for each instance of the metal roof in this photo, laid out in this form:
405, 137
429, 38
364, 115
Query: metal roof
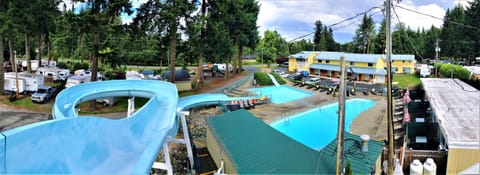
456, 106
357, 57
401, 57
302, 54
257, 148
358, 70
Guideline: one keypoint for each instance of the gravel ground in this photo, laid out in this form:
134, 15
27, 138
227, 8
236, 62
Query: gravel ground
198, 129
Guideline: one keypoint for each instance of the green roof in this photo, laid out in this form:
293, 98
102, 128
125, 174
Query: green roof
256, 148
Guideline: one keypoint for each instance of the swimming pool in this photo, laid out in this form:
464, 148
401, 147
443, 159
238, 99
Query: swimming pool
318, 127
281, 94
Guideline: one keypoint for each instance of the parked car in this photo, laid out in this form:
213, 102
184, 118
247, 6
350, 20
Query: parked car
284, 75
297, 77
285, 65
110, 101
313, 81
43, 94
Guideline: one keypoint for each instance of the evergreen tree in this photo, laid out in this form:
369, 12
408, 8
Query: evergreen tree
364, 34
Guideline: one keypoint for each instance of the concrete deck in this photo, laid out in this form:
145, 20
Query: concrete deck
372, 122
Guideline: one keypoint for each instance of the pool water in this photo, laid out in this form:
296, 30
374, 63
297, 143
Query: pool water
281, 94
317, 127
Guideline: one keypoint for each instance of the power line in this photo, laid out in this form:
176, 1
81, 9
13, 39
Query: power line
354, 21
453, 22
406, 34
337, 23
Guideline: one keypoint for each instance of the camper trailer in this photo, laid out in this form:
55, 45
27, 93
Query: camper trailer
32, 81
424, 71
10, 85
55, 73
77, 79
33, 63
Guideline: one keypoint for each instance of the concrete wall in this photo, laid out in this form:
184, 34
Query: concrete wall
218, 153
461, 159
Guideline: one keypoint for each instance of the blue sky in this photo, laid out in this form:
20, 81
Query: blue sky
294, 18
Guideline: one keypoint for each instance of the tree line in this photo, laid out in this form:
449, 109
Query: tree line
194, 32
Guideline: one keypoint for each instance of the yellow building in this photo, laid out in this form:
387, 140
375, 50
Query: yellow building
365, 67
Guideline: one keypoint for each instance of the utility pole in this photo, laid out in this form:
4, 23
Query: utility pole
389, 89
16, 73
341, 118
437, 50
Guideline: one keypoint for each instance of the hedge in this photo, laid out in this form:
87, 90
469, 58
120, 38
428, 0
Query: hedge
279, 79
262, 78
458, 72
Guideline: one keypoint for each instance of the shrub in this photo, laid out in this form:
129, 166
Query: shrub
278, 78
262, 78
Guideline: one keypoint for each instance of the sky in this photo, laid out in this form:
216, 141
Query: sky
295, 18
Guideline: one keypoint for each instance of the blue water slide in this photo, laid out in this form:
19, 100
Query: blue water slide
94, 145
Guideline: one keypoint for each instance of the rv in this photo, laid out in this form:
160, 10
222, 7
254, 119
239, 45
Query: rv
424, 70
32, 81
77, 79
34, 64
88, 73
55, 73
10, 85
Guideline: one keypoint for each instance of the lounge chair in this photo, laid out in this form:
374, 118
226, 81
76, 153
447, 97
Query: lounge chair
365, 92
245, 104
250, 102
240, 102
398, 113
310, 86
296, 83
303, 84
317, 87
373, 91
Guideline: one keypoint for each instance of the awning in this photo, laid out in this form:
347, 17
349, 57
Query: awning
357, 70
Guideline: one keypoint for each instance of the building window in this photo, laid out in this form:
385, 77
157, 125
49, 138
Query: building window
370, 64
327, 61
351, 63
403, 61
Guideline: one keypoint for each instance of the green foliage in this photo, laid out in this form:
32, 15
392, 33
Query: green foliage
262, 78
405, 80
279, 79
78, 65
348, 168
364, 35
457, 71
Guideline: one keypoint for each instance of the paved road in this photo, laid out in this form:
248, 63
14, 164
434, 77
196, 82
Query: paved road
11, 117
237, 83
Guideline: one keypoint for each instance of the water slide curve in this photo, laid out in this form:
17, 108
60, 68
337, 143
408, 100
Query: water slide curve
95, 145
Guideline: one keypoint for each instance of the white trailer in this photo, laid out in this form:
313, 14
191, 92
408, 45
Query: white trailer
55, 73
32, 81
33, 63
10, 85
77, 79
424, 70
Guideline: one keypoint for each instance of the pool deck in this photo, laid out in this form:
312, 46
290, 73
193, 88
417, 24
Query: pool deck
372, 122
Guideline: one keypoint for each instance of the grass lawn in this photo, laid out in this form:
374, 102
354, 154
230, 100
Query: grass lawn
407, 80
25, 102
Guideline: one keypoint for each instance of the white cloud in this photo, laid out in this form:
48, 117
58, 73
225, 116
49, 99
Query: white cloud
416, 20
294, 18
